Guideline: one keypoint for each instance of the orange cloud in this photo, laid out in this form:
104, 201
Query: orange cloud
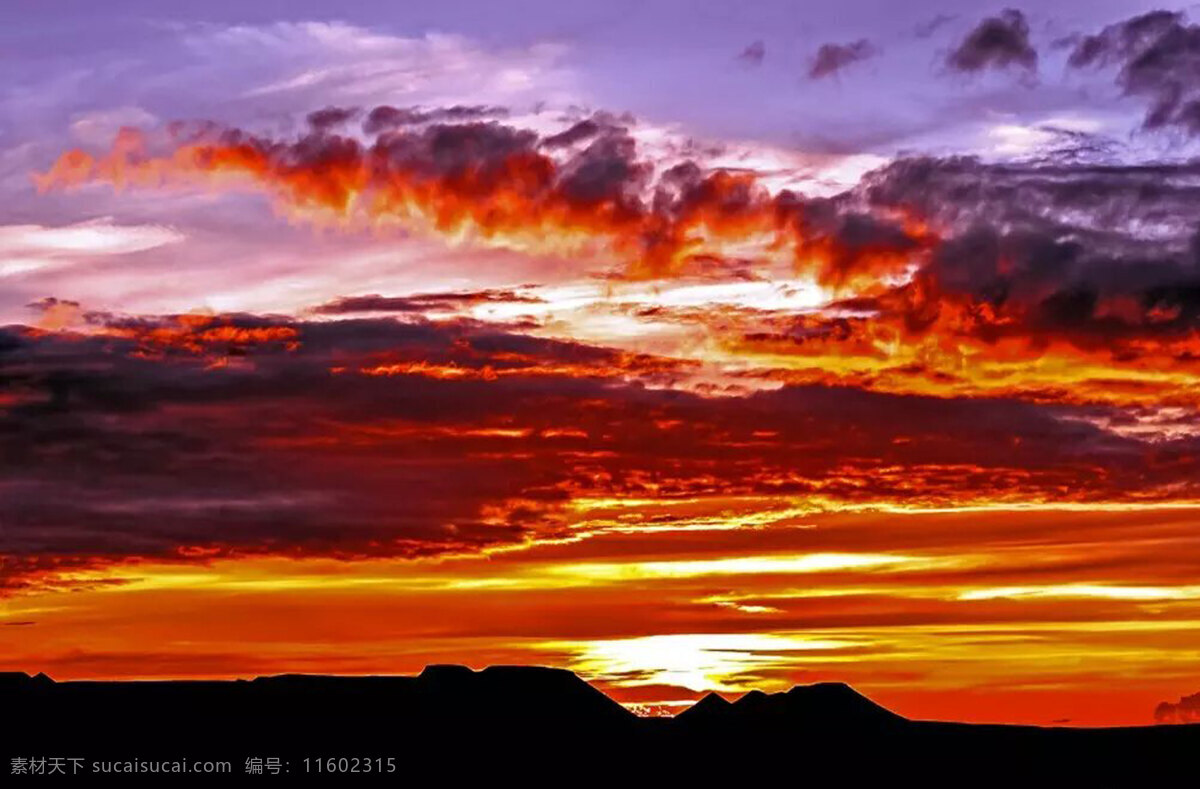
503, 186
969, 473
973, 313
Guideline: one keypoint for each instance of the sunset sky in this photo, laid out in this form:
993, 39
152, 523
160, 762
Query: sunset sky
691, 346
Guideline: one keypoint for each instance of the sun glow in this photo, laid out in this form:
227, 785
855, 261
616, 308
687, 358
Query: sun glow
698, 662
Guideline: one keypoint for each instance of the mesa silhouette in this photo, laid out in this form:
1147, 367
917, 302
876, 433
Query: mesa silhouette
524, 720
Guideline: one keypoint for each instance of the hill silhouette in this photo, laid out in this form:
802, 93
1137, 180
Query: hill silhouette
823, 706
530, 722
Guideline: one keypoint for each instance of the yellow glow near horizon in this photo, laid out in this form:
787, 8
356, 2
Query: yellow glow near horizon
697, 661
1148, 593
745, 565
413, 576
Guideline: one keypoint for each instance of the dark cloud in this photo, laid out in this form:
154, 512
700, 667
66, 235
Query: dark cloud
855, 239
583, 130
599, 124
607, 171
161, 436
184, 438
1098, 253
330, 118
1137, 202
385, 118
753, 54
423, 302
1158, 55
1073, 145
998, 42
832, 58
454, 150
1186, 710
49, 303
498, 181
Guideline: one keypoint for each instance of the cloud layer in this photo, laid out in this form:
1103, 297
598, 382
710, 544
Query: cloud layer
411, 354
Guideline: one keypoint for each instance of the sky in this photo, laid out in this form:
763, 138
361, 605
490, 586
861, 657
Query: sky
694, 347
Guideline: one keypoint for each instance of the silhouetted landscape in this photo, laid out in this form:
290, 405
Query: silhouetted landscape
524, 721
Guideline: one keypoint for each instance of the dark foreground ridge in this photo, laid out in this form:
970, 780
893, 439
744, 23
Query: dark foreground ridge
522, 721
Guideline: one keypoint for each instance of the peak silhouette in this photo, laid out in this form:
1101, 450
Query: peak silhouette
708, 708
518, 721
826, 704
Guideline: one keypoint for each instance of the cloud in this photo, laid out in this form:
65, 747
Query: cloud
386, 118
1158, 56
183, 438
330, 118
998, 42
577, 192
118, 392
832, 58
753, 54
1186, 710
268, 75
25, 248
932, 25
343, 62
1102, 254
586, 129
423, 302
1034, 267
97, 127
949, 269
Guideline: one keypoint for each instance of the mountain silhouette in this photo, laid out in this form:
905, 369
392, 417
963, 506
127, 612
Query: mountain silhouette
711, 707
451, 722
824, 705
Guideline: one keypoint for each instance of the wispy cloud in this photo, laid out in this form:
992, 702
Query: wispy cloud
25, 248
